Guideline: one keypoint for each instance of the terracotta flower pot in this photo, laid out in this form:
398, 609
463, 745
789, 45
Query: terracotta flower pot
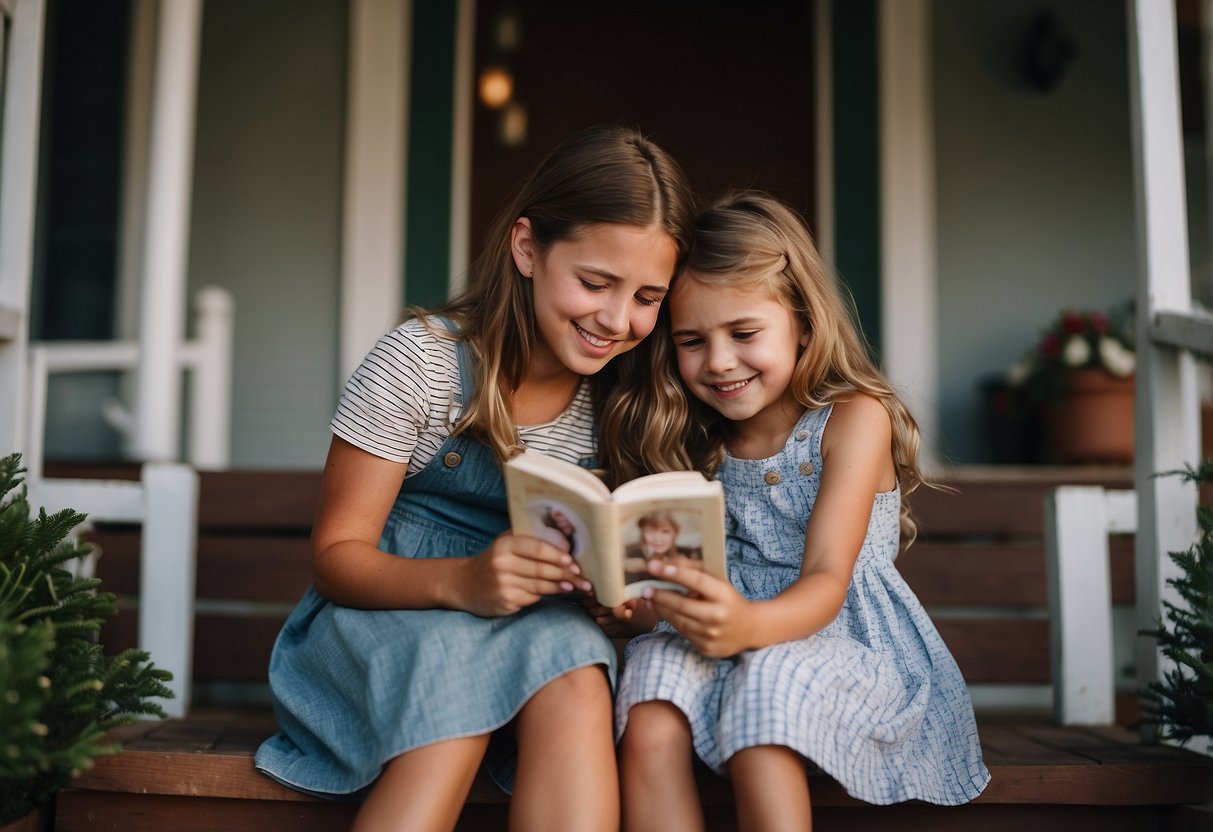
1095, 422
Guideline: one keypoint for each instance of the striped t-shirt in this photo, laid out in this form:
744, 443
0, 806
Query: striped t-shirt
400, 403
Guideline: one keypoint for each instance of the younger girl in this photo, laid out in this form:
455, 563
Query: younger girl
427, 627
815, 649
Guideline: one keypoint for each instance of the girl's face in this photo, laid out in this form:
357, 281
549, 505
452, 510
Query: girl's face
597, 295
562, 521
658, 538
737, 350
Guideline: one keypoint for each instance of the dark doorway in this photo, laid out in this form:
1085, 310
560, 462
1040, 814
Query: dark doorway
725, 87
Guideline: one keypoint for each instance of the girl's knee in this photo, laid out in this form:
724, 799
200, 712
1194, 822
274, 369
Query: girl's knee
581, 694
764, 760
585, 684
655, 728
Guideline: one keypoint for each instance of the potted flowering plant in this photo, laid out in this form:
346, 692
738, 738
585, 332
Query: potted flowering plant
1079, 378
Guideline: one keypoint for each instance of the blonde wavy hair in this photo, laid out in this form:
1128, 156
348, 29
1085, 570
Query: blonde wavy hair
751, 240
606, 174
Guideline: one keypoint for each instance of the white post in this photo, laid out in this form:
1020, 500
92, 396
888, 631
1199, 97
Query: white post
1166, 423
376, 135
909, 343
823, 51
141, 57
21, 77
166, 237
211, 379
1078, 520
167, 574
461, 145
33, 448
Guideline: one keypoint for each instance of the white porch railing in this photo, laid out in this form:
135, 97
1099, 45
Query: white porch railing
1078, 520
165, 503
1169, 327
207, 359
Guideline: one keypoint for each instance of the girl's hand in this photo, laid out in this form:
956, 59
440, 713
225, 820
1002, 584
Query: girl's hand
713, 617
515, 572
631, 618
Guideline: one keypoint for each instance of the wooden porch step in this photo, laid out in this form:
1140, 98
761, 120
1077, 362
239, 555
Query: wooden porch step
197, 774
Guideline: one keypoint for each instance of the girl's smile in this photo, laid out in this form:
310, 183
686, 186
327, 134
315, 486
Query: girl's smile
728, 388
592, 340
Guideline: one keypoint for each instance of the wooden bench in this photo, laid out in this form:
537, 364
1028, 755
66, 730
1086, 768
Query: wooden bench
979, 567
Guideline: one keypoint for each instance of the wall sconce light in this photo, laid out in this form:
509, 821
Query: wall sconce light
507, 31
1045, 52
496, 86
512, 128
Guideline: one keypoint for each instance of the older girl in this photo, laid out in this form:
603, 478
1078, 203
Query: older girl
429, 638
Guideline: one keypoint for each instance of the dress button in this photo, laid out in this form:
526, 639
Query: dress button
772, 477
802, 435
452, 459
806, 468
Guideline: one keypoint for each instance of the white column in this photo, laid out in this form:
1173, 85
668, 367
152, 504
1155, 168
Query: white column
167, 569
21, 75
1165, 421
1078, 520
211, 379
908, 297
376, 135
140, 66
461, 145
823, 51
166, 236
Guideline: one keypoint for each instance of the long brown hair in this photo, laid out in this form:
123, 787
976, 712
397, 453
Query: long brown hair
606, 174
751, 240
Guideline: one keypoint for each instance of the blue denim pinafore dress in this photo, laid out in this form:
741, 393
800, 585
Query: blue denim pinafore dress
355, 688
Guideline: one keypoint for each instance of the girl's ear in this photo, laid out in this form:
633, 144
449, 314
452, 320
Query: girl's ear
522, 246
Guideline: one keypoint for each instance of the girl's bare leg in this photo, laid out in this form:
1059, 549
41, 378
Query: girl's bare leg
656, 764
567, 777
771, 788
423, 789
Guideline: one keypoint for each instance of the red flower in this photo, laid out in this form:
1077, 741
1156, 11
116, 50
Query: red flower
1072, 322
1050, 346
1099, 322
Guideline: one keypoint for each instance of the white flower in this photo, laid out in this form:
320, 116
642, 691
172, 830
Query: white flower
1116, 359
1077, 351
1018, 372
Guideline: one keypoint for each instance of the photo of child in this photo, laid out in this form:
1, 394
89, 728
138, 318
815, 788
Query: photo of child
560, 526
665, 535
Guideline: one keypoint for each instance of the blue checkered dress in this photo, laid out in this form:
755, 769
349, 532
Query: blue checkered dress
874, 698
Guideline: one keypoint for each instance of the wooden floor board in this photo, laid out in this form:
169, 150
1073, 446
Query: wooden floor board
1017, 748
83, 812
1031, 764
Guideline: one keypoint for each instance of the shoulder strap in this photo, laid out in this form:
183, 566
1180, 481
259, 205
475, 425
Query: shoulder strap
466, 362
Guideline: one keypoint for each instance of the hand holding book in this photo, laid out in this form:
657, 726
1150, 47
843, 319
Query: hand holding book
670, 517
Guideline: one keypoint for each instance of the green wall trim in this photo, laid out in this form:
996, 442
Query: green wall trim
857, 158
428, 198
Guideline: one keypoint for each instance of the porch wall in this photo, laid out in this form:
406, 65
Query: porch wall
1035, 191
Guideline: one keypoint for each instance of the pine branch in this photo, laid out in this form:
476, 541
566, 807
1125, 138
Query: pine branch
59, 692
1182, 700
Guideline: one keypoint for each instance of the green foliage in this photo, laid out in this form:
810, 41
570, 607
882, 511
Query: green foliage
59, 693
1182, 701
